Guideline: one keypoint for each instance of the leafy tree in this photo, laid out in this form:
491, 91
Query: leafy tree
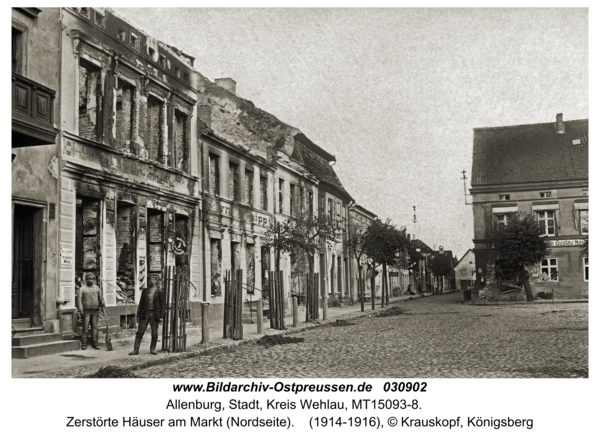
520, 242
441, 266
356, 244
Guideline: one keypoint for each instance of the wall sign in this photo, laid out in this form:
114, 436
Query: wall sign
66, 256
570, 242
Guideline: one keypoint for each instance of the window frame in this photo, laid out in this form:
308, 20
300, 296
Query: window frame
549, 267
546, 219
586, 269
581, 222
504, 197
545, 195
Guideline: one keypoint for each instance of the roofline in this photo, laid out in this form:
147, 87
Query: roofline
464, 255
527, 124
302, 138
360, 207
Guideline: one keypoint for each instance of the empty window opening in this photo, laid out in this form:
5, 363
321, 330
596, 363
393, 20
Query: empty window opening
90, 101
545, 194
134, 41
215, 267
122, 34
504, 197
154, 132
249, 189
213, 174
87, 237
125, 230
152, 53
234, 181
155, 245
264, 184
181, 141
124, 115
163, 62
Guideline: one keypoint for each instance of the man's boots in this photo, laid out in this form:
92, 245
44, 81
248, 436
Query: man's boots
153, 345
84, 339
136, 346
95, 342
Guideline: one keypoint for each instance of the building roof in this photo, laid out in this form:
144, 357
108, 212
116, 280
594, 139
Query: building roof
464, 255
320, 168
530, 153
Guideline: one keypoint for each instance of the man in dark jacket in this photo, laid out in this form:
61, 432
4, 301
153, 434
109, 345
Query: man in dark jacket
89, 303
150, 311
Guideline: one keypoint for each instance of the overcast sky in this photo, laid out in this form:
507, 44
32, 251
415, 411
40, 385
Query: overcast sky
394, 94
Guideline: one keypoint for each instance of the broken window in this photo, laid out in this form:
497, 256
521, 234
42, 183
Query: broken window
264, 183
122, 34
151, 53
124, 115
213, 174
90, 101
181, 142
125, 230
87, 237
234, 181
154, 132
134, 41
249, 180
549, 270
163, 62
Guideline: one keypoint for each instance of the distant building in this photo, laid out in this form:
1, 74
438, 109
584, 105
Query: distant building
539, 169
465, 271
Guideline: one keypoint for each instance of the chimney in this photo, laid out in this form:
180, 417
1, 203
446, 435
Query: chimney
205, 114
227, 83
560, 125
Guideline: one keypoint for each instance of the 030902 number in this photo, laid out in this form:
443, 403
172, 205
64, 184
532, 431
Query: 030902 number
405, 386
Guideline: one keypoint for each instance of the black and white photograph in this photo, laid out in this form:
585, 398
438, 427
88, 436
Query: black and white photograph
283, 195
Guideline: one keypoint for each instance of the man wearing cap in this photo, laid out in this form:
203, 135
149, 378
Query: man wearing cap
89, 303
149, 311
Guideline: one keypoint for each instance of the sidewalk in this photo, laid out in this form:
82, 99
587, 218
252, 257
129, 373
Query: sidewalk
84, 362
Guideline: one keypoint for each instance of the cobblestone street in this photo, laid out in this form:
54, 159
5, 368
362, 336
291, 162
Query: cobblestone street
434, 337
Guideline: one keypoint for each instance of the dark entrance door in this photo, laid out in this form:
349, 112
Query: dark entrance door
23, 262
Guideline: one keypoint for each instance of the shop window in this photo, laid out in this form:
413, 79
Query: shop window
586, 273
547, 221
549, 270
234, 181
214, 179
504, 197
90, 101
280, 203
124, 114
264, 183
154, 129
249, 189
181, 141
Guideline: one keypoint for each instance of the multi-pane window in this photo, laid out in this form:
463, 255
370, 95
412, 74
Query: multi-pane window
264, 183
292, 198
549, 270
344, 217
338, 215
330, 209
213, 174
584, 221
501, 219
249, 180
124, 114
90, 101
302, 201
280, 203
504, 197
547, 221
545, 194
586, 274
321, 205
234, 181
310, 204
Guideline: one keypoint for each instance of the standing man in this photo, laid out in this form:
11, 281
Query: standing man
150, 311
89, 303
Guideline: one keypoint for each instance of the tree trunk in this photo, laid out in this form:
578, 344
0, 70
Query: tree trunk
360, 288
373, 288
383, 287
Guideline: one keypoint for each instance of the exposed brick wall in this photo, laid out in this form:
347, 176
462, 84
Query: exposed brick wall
87, 235
124, 115
125, 248
90, 101
154, 132
180, 139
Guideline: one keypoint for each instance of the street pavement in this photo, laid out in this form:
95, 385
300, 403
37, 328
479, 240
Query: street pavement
436, 336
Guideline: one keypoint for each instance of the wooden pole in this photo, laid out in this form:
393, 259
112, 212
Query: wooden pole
205, 331
295, 312
259, 316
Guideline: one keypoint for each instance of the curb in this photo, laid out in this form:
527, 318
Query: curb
583, 301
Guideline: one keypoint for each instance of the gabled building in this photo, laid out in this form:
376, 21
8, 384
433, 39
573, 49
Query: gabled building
465, 271
539, 169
